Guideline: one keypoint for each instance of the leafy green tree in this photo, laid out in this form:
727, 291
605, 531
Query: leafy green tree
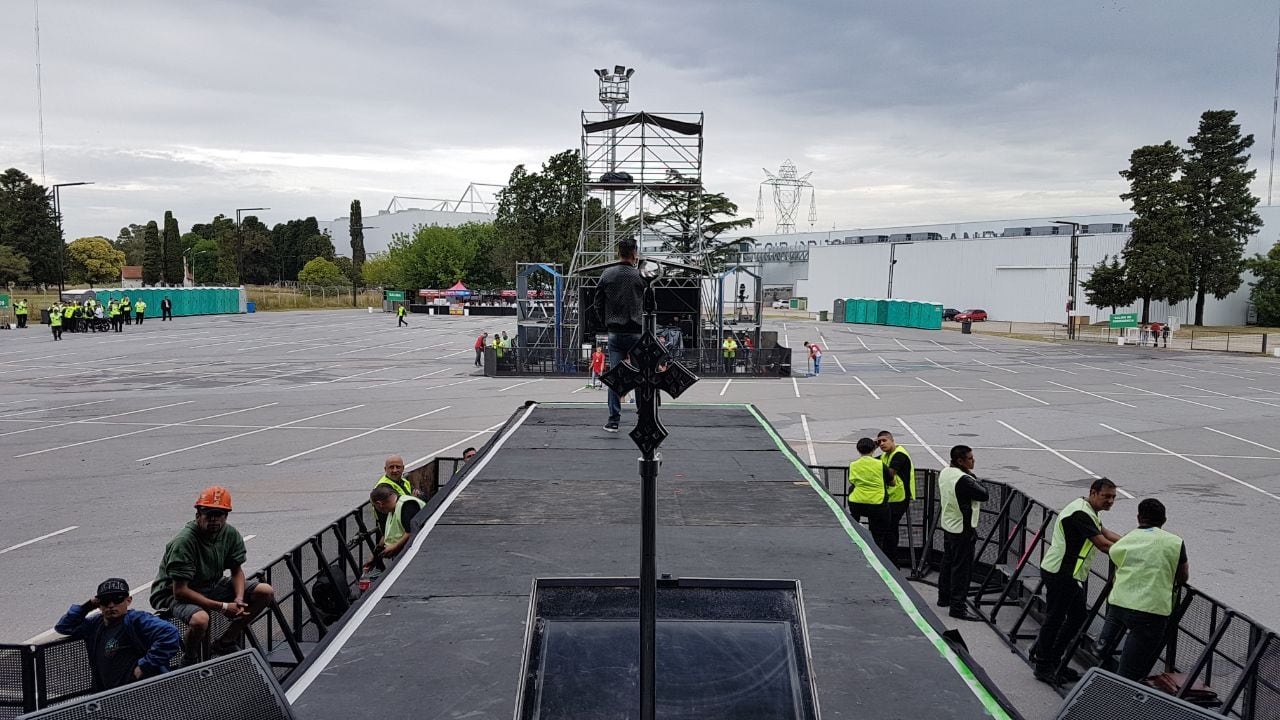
1265, 291
92, 260
1157, 254
1220, 207
357, 240
203, 257
382, 272
681, 214
28, 225
539, 214
258, 255
153, 257
347, 267
322, 273
132, 242
222, 231
172, 242
1106, 285
13, 267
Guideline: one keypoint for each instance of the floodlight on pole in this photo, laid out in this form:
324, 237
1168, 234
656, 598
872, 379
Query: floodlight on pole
1071, 278
62, 243
240, 242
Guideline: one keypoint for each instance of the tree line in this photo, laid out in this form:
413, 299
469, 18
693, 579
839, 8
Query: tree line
1193, 216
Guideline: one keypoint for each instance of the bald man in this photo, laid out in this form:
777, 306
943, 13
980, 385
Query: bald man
393, 475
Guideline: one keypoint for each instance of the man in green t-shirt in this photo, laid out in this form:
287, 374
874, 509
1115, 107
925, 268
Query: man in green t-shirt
191, 582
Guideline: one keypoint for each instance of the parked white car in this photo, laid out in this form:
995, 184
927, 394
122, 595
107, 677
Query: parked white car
781, 304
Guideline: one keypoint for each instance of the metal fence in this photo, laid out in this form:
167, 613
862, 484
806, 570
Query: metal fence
1184, 339
315, 584
703, 362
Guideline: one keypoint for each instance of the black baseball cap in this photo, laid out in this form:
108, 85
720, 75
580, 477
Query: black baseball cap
112, 586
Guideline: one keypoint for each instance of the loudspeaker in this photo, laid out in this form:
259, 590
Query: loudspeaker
239, 686
1101, 694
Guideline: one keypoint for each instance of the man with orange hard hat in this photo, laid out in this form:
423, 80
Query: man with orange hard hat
191, 583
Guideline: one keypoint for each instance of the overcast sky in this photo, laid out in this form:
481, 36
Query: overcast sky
905, 111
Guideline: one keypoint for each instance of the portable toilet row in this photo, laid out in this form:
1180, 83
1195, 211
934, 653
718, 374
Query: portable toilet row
186, 301
897, 313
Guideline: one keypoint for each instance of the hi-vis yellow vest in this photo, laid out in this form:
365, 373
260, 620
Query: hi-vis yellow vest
952, 519
1146, 564
898, 492
404, 487
1058, 547
396, 529
866, 481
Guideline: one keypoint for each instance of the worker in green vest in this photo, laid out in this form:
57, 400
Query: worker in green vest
69, 317
1077, 532
55, 320
126, 310
113, 312
960, 496
903, 490
400, 511
1149, 563
392, 477
729, 349
140, 309
868, 478
400, 315
20, 312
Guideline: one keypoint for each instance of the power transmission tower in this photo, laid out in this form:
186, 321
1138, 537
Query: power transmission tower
788, 189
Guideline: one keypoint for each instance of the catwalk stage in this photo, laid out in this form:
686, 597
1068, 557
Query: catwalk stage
554, 497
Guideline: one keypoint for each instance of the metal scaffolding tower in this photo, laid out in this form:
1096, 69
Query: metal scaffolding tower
788, 189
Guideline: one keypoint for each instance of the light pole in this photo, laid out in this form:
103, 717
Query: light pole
615, 92
62, 244
1071, 276
240, 243
893, 251
194, 254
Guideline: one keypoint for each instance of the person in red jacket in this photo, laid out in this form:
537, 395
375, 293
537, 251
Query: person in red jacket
480, 343
597, 367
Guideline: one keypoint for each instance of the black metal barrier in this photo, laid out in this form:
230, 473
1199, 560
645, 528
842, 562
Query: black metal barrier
315, 583
704, 362
1227, 662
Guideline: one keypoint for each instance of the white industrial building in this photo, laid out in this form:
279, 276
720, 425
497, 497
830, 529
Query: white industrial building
1014, 269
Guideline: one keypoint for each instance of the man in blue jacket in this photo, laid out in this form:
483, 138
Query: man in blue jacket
123, 645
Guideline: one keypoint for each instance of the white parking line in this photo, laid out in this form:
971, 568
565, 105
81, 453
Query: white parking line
1046, 367
944, 367
1237, 437
442, 357
887, 364
808, 440
1213, 372
944, 347
36, 540
1095, 367
1086, 392
1233, 397
100, 417
1171, 397
904, 347
935, 387
245, 434
859, 337
923, 444
982, 347
358, 436
795, 385
997, 367
1064, 458
1273, 392
1166, 372
1015, 392
397, 382
866, 387
526, 382
1193, 462
143, 430
466, 439
60, 407
726, 386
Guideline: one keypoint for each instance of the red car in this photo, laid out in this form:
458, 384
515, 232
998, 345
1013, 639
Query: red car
974, 315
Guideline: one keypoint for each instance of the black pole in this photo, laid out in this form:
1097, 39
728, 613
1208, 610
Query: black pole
1075, 262
62, 245
646, 400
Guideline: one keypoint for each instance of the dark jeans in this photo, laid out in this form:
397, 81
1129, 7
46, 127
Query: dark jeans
479, 357
957, 567
166, 314
894, 534
139, 317
1064, 614
877, 520
620, 345
1146, 634
22, 321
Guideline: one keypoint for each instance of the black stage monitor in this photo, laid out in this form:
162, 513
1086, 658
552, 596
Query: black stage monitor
1101, 694
239, 686
731, 649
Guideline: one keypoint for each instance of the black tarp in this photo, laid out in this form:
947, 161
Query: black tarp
678, 126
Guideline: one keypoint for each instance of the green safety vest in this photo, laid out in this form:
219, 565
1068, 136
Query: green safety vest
400, 311
55, 317
20, 308
1146, 563
124, 305
866, 480
730, 348
68, 311
498, 347
898, 492
404, 487
396, 530
113, 310
141, 307
952, 520
1052, 561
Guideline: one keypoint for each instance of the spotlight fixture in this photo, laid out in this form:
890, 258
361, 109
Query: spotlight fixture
650, 270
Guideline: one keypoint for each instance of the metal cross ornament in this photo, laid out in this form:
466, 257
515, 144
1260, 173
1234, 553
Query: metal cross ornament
646, 370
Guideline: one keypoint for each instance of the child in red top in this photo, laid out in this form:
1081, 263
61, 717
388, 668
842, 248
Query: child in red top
597, 366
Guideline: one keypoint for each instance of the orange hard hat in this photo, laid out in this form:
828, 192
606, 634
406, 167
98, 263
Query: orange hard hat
215, 497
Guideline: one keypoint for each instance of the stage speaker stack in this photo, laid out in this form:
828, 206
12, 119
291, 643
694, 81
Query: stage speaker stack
239, 686
1101, 694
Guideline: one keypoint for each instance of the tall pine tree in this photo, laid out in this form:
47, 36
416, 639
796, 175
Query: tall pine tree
28, 225
1156, 256
153, 255
1220, 208
357, 242
172, 241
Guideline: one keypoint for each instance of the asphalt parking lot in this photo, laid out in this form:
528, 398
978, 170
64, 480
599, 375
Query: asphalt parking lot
108, 438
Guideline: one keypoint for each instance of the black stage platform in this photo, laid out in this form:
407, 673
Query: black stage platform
554, 496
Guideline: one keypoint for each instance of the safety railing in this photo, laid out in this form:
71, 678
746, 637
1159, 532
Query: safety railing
315, 584
703, 362
1182, 339
915, 524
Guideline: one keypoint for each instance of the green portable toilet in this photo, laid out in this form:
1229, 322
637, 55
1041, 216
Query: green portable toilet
898, 313
913, 314
881, 312
860, 310
933, 317
850, 309
837, 310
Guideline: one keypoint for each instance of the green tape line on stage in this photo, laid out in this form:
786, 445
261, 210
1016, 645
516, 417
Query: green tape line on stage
984, 696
